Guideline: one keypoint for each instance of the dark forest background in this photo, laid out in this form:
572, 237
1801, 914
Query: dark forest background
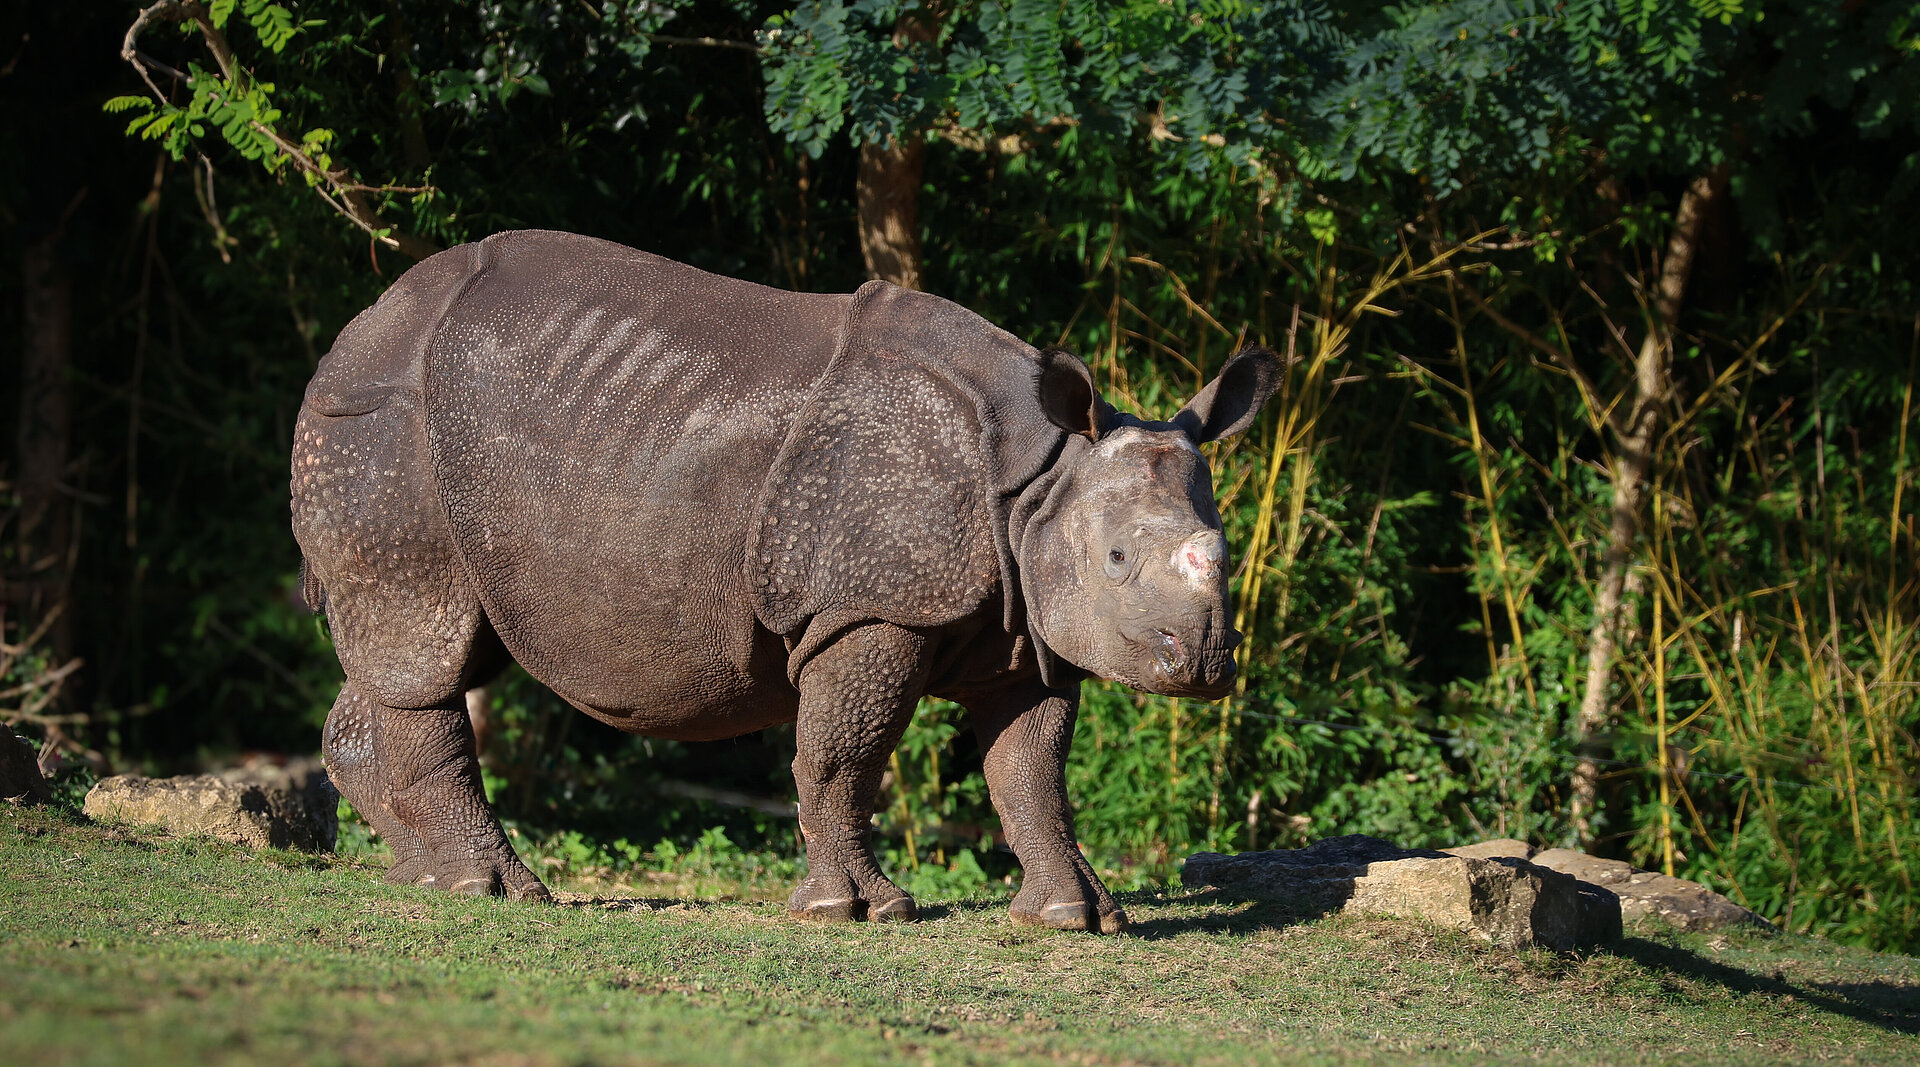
1585, 514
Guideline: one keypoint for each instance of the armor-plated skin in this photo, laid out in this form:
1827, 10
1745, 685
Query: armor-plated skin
696, 507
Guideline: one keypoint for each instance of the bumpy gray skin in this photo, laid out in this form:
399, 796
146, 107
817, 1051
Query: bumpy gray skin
696, 507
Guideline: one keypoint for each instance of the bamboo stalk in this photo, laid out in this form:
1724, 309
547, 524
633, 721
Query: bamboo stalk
1487, 494
906, 809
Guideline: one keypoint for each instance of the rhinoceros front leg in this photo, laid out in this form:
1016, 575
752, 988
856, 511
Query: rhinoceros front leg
420, 788
1025, 733
856, 698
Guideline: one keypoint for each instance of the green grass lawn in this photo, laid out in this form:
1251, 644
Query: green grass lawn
121, 946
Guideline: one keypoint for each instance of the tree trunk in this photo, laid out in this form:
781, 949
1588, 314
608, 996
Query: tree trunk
888, 189
889, 199
480, 717
1632, 461
406, 93
44, 529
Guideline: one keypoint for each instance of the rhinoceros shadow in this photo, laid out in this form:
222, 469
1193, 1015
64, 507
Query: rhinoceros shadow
591, 903
1224, 913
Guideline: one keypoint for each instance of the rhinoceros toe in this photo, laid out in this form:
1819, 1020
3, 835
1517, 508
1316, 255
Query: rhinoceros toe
900, 909
1073, 915
492, 884
473, 876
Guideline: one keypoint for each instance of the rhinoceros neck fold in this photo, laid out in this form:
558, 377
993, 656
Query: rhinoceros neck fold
1036, 506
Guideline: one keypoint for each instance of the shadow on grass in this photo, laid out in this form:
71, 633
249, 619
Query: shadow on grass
1221, 914
1245, 917
582, 902
1888, 1005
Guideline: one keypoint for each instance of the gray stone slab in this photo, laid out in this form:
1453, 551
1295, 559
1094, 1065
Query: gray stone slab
1504, 900
1650, 895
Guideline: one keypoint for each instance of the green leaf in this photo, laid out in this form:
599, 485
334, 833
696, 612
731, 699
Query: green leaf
1320, 223
274, 24
158, 126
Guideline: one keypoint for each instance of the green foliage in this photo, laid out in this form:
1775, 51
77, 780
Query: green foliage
240, 108
272, 23
1206, 72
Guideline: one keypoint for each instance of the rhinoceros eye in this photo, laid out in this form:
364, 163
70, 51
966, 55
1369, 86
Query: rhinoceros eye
1117, 556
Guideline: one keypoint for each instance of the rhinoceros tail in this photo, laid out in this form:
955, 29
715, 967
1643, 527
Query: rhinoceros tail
312, 593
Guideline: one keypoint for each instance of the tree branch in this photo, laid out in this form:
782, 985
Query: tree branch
1006, 144
702, 42
345, 193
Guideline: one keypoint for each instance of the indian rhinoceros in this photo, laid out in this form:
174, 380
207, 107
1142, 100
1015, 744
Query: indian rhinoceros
695, 507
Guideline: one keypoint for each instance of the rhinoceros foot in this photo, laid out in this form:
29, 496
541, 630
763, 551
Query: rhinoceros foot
473, 876
1067, 896
1072, 915
511, 880
412, 773
476, 875
838, 898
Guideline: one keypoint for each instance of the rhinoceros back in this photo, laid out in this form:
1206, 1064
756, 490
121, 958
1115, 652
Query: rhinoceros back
600, 422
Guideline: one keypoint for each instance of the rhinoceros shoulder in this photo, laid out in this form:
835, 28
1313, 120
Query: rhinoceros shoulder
890, 498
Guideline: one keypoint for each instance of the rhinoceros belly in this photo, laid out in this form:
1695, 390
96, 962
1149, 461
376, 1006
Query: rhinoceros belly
601, 422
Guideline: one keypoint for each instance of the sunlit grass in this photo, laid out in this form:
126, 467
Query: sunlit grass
119, 946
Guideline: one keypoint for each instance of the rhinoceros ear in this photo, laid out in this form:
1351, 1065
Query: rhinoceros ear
1233, 399
1065, 387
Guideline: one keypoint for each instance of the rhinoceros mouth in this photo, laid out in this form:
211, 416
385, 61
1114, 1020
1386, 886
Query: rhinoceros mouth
1169, 654
1175, 671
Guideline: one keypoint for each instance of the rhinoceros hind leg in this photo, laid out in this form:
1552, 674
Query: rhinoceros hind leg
856, 698
347, 746
429, 765
413, 773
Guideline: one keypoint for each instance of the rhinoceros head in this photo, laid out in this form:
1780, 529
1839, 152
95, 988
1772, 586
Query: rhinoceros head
1124, 566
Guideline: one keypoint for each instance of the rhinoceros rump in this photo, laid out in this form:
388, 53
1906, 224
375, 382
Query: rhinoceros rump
696, 507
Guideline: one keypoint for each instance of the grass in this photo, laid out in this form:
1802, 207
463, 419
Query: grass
127, 946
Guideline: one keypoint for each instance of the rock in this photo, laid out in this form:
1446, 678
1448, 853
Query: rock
1504, 900
20, 779
1648, 895
1498, 848
259, 806
305, 779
